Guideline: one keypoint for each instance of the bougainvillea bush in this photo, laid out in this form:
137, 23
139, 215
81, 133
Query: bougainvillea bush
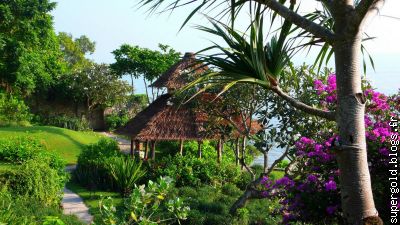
311, 193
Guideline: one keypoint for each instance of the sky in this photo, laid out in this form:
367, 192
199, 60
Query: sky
111, 23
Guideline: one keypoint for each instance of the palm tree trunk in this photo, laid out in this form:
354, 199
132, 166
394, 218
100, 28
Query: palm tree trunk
355, 183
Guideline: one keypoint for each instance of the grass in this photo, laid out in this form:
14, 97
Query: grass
92, 198
67, 143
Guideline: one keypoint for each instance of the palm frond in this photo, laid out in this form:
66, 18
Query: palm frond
245, 59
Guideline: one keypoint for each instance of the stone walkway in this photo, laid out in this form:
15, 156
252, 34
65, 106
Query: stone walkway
73, 204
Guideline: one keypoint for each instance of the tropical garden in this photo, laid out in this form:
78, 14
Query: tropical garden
325, 144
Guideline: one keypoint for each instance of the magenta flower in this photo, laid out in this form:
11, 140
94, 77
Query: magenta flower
330, 186
312, 178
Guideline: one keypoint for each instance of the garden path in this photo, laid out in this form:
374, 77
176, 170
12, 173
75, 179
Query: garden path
124, 144
73, 204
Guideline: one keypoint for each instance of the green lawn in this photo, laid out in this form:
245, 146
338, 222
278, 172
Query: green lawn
67, 143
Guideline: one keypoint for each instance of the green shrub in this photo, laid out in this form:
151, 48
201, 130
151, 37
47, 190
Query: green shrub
151, 204
191, 171
18, 210
115, 120
13, 111
93, 165
210, 205
21, 149
125, 172
35, 179
63, 121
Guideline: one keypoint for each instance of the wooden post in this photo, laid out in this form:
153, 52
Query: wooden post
131, 152
199, 148
181, 147
137, 149
146, 150
237, 151
219, 150
243, 151
153, 150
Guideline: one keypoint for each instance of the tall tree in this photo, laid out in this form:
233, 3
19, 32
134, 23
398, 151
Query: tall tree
29, 54
254, 62
75, 50
142, 62
98, 86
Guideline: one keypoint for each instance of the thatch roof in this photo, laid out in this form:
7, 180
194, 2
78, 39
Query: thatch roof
177, 76
162, 120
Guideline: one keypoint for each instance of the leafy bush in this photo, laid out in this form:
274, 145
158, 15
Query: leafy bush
147, 205
63, 121
21, 149
19, 210
125, 172
115, 120
93, 165
191, 171
210, 205
13, 111
35, 179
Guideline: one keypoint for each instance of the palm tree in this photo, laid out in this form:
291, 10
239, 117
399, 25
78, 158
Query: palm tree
249, 60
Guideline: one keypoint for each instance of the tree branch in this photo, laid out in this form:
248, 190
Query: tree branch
367, 6
298, 20
329, 115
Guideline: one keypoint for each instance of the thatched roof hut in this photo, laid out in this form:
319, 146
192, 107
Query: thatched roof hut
165, 120
179, 74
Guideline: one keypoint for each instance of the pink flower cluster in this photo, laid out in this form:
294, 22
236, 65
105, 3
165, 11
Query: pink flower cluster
327, 90
316, 188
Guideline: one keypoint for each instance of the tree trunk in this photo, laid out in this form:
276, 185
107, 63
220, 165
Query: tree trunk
147, 91
199, 149
243, 150
355, 182
181, 147
133, 91
237, 151
219, 151
265, 154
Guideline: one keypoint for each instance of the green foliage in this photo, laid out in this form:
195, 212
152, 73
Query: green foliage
13, 111
191, 171
147, 205
142, 61
116, 120
210, 205
63, 142
30, 58
126, 172
283, 164
21, 149
19, 210
64, 121
93, 164
36, 180
96, 85
75, 49
40, 175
